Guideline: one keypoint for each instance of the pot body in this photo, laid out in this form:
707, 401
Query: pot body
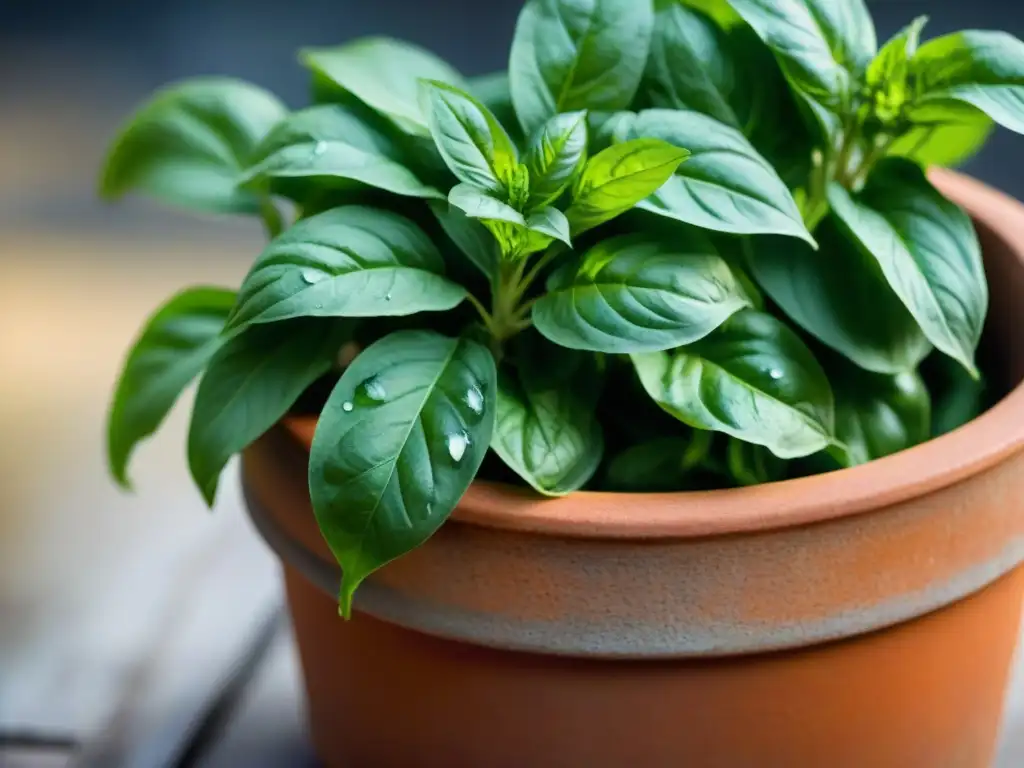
863, 618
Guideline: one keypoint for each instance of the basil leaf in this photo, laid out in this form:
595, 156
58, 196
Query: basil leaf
577, 54
331, 145
943, 133
718, 11
927, 250
384, 74
825, 293
724, 185
477, 204
637, 293
347, 262
603, 127
619, 177
664, 464
555, 156
877, 415
956, 397
250, 383
472, 143
550, 222
471, 237
398, 443
984, 69
752, 379
750, 464
188, 145
173, 347
892, 64
494, 93
546, 429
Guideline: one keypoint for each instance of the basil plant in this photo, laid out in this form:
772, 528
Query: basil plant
679, 244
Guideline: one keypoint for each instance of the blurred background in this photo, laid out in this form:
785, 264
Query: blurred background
125, 619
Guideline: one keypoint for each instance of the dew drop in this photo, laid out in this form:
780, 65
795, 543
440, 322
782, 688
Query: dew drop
775, 373
371, 392
475, 400
320, 148
318, 306
311, 276
387, 296
458, 442
347, 406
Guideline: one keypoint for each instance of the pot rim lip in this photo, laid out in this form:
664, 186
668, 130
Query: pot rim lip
940, 462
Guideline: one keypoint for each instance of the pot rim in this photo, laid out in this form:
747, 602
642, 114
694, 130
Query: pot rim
970, 449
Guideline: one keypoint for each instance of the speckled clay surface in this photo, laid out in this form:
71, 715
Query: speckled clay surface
581, 631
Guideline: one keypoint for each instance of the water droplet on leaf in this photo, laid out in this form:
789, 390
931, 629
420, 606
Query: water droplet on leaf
371, 392
475, 400
458, 442
320, 148
775, 374
347, 406
311, 276
387, 296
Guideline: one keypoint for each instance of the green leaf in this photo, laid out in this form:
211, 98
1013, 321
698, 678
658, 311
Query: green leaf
663, 464
350, 261
173, 347
470, 236
546, 428
724, 185
984, 69
826, 292
927, 250
477, 204
750, 464
384, 74
550, 222
472, 143
556, 156
752, 379
892, 64
189, 143
250, 383
333, 147
718, 11
398, 443
943, 133
569, 55
619, 177
877, 415
956, 397
494, 93
637, 293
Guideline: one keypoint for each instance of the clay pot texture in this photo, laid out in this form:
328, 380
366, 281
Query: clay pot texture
864, 618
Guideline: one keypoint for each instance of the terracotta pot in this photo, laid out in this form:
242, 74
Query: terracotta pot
863, 618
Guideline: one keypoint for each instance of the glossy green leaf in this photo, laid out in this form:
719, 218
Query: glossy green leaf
173, 347
347, 262
892, 64
384, 74
943, 133
752, 379
546, 428
724, 185
189, 144
470, 236
956, 397
927, 250
550, 222
718, 11
479, 205
250, 383
982, 68
398, 443
472, 143
638, 293
825, 293
555, 156
619, 177
569, 55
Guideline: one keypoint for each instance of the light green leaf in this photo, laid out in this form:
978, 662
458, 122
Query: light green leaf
384, 74
943, 133
477, 204
724, 185
825, 293
718, 11
189, 143
398, 443
638, 293
331, 145
350, 261
470, 236
550, 222
619, 177
752, 379
555, 156
173, 347
892, 64
569, 55
984, 69
250, 383
472, 143
927, 250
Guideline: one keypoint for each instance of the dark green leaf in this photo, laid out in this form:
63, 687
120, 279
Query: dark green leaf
384, 74
555, 156
471, 237
189, 143
546, 429
664, 464
473, 144
749, 464
174, 346
577, 54
397, 445
956, 397
826, 292
943, 133
752, 379
550, 222
250, 383
984, 69
927, 250
619, 177
347, 262
724, 185
638, 293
